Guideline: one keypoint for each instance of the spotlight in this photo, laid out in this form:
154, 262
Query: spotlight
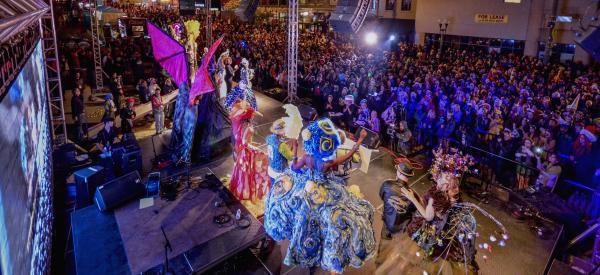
392, 37
371, 38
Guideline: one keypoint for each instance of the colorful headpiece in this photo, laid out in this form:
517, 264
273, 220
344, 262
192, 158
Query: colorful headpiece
321, 138
454, 163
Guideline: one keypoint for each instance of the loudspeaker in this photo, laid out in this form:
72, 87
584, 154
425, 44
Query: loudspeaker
130, 161
246, 10
371, 141
118, 191
86, 180
590, 42
307, 112
64, 156
349, 15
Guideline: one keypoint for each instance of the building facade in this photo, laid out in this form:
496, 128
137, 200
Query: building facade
517, 26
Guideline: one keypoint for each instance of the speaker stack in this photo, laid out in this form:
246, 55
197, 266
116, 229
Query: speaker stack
86, 180
349, 15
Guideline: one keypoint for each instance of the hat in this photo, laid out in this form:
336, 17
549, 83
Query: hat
588, 135
405, 169
131, 100
363, 101
108, 97
278, 127
349, 97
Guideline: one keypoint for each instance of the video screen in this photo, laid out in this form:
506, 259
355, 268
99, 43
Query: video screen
25, 172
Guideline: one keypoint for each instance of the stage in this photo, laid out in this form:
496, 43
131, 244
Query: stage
523, 251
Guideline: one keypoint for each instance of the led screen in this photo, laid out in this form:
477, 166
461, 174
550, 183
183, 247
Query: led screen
25, 172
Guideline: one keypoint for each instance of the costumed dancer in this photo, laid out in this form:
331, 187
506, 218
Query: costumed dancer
279, 151
284, 130
221, 73
441, 235
327, 225
173, 57
243, 91
249, 180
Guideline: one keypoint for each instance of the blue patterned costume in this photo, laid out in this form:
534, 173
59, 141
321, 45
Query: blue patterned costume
184, 125
241, 94
326, 225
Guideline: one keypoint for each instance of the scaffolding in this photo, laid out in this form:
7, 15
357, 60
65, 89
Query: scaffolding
53, 82
96, 47
292, 52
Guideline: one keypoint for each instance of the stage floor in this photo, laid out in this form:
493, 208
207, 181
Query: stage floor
523, 254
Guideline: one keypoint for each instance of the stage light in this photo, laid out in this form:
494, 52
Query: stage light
392, 37
371, 38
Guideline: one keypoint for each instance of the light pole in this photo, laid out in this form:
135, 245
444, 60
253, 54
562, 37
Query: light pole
443, 24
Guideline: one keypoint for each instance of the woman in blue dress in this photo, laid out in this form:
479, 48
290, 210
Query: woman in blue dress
327, 225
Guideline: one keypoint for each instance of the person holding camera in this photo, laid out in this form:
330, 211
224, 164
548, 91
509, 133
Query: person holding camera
525, 157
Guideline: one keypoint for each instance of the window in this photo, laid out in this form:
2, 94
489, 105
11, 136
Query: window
406, 5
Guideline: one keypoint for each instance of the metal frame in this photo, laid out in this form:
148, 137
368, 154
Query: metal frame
96, 47
53, 81
292, 52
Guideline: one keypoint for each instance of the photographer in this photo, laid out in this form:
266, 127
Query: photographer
525, 157
549, 171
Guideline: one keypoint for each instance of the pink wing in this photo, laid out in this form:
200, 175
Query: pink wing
169, 53
202, 83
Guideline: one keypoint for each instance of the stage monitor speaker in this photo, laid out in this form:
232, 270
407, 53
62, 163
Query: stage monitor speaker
590, 42
349, 15
371, 141
86, 180
64, 156
307, 112
246, 10
118, 191
130, 160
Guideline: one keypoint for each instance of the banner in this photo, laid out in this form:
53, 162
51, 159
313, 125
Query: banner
491, 18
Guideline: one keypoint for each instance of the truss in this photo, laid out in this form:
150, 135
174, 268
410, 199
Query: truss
96, 47
292, 52
53, 83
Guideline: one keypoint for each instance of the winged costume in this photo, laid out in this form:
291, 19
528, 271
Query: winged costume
173, 57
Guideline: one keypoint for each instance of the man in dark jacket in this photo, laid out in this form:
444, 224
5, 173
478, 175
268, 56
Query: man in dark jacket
78, 113
397, 209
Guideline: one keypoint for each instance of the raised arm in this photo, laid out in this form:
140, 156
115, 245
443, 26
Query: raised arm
338, 161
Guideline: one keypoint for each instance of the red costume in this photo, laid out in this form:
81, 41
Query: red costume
249, 180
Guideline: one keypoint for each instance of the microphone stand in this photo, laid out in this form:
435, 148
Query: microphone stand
167, 248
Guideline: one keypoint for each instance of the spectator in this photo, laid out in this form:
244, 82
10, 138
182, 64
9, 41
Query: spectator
158, 112
127, 116
525, 157
143, 90
549, 171
78, 113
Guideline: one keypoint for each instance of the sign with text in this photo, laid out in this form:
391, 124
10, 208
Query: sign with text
491, 18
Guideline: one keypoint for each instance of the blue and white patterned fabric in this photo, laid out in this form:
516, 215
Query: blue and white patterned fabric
277, 162
241, 94
327, 226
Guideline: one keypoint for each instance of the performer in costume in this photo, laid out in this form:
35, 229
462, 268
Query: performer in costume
279, 151
441, 235
243, 91
221, 73
250, 180
327, 225
397, 209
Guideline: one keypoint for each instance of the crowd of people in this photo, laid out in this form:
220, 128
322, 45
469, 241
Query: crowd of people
529, 115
